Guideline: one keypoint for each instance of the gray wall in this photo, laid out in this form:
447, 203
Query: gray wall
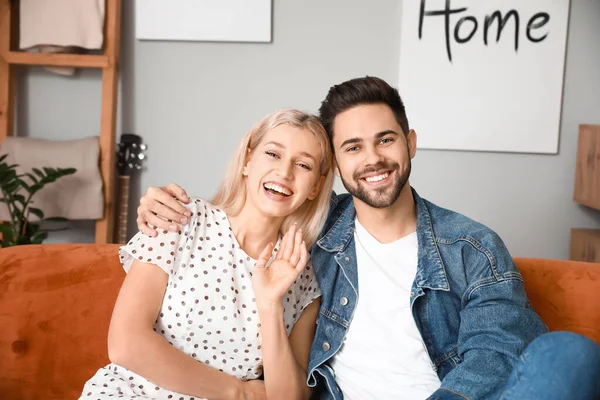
191, 102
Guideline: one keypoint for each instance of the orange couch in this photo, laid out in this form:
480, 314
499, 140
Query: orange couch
56, 302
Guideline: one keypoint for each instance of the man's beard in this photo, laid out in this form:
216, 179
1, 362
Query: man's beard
379, 198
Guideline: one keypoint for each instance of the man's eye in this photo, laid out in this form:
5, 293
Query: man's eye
386, 140
351, 149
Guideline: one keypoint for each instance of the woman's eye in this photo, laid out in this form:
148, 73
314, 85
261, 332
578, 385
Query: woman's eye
305, 166
271, 154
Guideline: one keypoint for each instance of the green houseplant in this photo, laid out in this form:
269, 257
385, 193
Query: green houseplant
16, 193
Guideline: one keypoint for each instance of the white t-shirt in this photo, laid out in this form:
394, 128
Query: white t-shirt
383, 356
208, 311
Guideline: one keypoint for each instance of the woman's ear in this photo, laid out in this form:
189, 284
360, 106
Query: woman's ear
247, 159
317, 188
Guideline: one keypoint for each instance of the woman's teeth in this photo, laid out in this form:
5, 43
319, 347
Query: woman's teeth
277, 189
377, 178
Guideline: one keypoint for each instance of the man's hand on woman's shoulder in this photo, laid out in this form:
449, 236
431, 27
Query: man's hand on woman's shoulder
162, 208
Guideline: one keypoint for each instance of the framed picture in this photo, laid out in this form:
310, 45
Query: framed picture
204, 20
484, 75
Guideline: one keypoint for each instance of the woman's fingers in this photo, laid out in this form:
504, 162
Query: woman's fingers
264, 256
303, 257
295, 257
283, 245
286, 253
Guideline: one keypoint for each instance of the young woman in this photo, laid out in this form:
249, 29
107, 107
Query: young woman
206, 310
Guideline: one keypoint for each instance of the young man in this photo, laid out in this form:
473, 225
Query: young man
418, 301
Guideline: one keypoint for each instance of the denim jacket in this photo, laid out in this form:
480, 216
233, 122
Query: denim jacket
467, 299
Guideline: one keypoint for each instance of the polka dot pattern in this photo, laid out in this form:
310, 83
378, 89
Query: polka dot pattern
209, 310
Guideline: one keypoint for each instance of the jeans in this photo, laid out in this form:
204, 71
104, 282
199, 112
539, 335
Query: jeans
556, 366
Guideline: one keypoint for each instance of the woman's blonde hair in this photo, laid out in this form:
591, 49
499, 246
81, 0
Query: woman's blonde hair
311, 216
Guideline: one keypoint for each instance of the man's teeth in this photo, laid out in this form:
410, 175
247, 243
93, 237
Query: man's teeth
377, 178
278, 189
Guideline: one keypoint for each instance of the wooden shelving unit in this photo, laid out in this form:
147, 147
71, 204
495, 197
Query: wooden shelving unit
11, 58
585, 243
58, 60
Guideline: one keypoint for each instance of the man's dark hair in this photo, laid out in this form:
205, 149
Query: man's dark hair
360, 91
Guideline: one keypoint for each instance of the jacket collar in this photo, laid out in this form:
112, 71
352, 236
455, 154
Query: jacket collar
431, 272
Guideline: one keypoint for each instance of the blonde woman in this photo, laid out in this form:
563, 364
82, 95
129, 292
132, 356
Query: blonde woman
206, 311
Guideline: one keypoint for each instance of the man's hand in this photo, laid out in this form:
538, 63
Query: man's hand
160, 208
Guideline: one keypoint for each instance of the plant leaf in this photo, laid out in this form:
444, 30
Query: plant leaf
20, 198
32, 177
49, 171
39, 237
66, 171
32, 228
23, 240
8, 177
39, 173
11, 187
37, 212
7, 232
16, 213
25, 186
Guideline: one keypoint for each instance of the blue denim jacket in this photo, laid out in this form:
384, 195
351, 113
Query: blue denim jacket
467, 299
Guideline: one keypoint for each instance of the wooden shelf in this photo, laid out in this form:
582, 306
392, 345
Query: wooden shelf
57, 60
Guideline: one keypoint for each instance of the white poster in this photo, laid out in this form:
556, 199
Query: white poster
204, 20
484, 75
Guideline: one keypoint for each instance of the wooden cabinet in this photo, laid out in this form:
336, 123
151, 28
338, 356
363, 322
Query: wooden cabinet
585, 243
587, 171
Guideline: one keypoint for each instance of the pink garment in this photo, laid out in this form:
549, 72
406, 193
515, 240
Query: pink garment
77, 196
61, 26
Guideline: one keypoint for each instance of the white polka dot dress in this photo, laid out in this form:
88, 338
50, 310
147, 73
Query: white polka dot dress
209, 310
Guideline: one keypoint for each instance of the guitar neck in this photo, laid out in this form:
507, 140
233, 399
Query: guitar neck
123, 209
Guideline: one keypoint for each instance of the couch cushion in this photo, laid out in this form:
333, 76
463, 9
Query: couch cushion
566, 294
56, 302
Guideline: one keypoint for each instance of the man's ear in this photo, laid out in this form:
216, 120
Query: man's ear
317, 188
336, 169
411, 140
247, 159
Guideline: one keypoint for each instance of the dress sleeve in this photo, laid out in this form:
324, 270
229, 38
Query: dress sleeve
167, 248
